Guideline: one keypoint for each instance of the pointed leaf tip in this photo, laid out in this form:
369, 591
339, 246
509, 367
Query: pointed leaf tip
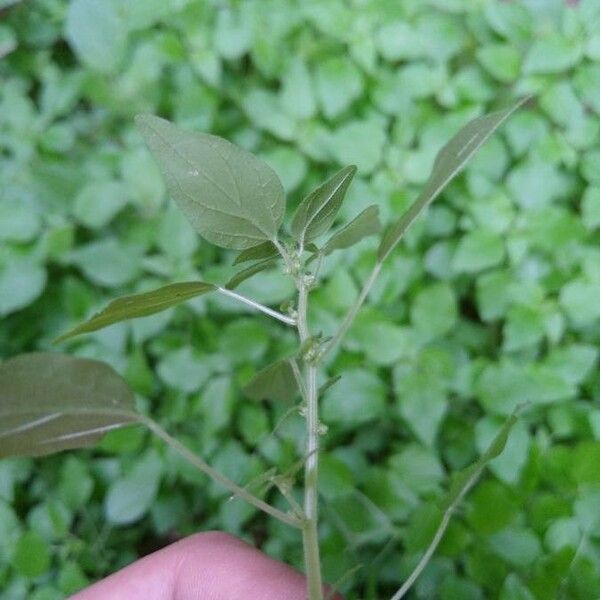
140, 305
449, 162
318, 210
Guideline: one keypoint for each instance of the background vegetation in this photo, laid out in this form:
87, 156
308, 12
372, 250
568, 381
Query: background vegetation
491, 301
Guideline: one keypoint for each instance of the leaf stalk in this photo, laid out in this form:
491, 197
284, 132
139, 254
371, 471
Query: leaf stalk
203, 466
258, 306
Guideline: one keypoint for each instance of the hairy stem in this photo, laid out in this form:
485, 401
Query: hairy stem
258, 306
310, 530
233, 487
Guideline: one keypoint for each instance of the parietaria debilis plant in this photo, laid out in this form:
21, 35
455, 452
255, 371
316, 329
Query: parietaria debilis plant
51, 402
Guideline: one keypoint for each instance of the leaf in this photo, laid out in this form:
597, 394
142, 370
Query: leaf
131, 496
360, 142
358, 398
241, 276
434, 311
98, 202
365, 224
494, 450
52, 402
317, 211
109, 262
275, 382
451, 159
21, 282
230, 197
32, 556
264, 250
338, 82
96, 33
140, 305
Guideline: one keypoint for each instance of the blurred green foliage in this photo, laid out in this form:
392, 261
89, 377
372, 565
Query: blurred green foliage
491, 301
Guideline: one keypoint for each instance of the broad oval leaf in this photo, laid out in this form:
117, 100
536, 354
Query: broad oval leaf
318, 210
451, 159
52, 402
248, 272
264, 250
231, 198
365, 224
275, 382
140, 305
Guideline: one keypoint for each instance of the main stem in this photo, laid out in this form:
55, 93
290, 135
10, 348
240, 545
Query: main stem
310, 529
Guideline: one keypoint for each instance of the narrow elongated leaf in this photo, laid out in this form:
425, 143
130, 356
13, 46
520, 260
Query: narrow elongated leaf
231, 198
264, 250
250, 271
318, 210
275, 382
494, 450
140, 305
365, 224
52, 402
450, 161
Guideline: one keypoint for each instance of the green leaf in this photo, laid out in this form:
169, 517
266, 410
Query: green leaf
19, 221
577, 299
244, 274
359, 142
451, 159
318, 210
108, 262
230, 197
98, 202
338, 83
552, 53
130, 497
434, 311
184, 369
21, 283
518, 546
514, 589
365, 224
96, 33
590, 207
494, 450
508, 466
51, 402
478, 250
264, 250
32, 555
275, 382
297, 96
140, 305
502, 61
359, 397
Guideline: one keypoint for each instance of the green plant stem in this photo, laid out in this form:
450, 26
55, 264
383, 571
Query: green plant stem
233, 487
353, 310
439, 534
257, 306
310, 529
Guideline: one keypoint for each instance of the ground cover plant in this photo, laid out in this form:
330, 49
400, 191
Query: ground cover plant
486, 303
